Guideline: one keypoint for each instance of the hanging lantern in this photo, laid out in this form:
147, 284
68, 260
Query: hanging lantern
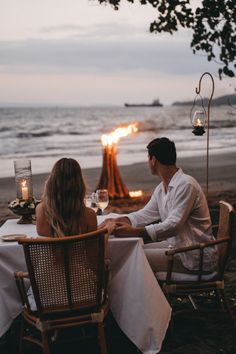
198, 117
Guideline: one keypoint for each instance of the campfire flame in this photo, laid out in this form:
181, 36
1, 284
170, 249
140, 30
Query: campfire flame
114, 136
135, 194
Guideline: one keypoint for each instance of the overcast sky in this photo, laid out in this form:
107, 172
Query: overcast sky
81, 53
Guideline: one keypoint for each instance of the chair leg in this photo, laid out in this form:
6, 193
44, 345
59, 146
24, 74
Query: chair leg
171, 328
101, 338
22, 330
220, 299
45, 342
193, 302
227, 306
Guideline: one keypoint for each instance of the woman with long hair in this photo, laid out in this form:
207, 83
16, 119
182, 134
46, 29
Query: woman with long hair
62, 211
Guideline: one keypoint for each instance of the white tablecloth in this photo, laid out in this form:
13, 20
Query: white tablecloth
136, 300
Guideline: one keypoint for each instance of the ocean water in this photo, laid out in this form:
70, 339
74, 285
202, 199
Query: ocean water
46, 134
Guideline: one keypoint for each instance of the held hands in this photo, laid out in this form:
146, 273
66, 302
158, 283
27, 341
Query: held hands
115, 228
106, 222
120, 227
124, 230
110, 225
122, 219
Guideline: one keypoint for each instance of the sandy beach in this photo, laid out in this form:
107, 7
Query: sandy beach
222, 181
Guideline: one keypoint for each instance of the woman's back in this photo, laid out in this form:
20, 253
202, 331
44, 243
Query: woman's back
63, 211
88, 222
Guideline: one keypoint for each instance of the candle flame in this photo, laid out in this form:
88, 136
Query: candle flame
114, 136
134, 194
199, 123
23, 183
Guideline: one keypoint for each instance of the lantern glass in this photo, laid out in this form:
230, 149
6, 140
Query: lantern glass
23, 179
199, 121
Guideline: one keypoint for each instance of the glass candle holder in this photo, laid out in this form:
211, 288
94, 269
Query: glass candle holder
23, 179
199, 121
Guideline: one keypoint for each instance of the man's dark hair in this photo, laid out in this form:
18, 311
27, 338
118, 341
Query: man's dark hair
164, 151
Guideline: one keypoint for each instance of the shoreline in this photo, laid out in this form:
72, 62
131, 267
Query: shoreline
222, 179
222, 175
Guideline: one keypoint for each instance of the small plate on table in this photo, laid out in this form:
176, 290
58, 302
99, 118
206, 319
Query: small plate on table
12, 237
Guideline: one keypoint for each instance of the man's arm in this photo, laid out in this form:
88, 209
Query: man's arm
182, 205
126, 230
148, 214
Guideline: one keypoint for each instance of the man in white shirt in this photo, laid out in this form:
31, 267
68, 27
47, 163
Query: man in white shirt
180, 205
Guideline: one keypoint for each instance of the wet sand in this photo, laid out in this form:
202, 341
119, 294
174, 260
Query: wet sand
222, 179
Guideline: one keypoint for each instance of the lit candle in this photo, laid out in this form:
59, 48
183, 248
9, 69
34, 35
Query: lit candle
25, 191
199, 123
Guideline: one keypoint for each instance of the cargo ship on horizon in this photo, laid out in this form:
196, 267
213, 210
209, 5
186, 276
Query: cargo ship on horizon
155, 103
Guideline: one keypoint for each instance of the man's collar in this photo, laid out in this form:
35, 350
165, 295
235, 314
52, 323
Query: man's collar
175, 177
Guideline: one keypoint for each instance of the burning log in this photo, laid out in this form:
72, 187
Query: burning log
110, 178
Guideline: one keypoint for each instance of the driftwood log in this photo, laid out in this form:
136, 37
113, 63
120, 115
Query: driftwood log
110, 178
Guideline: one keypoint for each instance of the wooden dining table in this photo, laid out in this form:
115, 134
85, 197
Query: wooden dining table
136, 299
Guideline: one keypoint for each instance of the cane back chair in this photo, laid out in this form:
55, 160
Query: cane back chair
199, 282
68, 277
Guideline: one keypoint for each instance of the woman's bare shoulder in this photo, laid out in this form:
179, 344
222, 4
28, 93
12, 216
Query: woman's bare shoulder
40, 208
90, 212
43, 228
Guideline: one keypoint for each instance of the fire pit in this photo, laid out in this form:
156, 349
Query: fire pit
110, 178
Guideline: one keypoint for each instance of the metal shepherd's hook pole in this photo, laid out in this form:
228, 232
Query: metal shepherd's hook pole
208, 123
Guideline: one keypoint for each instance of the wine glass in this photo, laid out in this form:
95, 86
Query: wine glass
91, 201
88, 201
94, 202
102, 199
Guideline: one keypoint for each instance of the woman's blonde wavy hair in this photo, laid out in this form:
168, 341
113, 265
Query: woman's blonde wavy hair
63, 198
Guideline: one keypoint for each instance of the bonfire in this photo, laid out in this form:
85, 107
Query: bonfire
110, 178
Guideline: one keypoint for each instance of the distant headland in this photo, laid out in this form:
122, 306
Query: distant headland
219, 101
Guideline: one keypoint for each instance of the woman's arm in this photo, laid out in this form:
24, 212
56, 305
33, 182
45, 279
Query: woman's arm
91, 219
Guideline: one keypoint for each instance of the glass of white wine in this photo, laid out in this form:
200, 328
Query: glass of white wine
94, 202
102, 199
91, 201
88, 201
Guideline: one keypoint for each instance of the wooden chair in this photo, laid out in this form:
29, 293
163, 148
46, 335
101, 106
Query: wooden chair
68, 277
200, 282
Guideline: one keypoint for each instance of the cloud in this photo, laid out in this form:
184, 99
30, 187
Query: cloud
108, 30
141, 55
61, 28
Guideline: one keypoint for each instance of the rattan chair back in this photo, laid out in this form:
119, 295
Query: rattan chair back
66, 274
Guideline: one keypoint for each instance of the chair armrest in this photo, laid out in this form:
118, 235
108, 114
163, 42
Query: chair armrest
197, 246
22, 275
201, 246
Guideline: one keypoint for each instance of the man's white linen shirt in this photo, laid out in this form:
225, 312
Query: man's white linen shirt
185, 218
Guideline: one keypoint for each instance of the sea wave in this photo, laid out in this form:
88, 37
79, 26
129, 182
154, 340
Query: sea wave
4, 129
35, 134
46, 134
